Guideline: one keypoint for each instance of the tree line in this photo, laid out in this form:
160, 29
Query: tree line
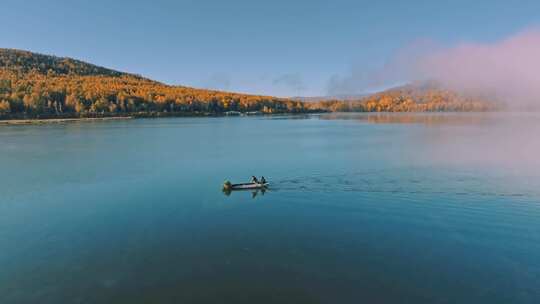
413, 99
36, 94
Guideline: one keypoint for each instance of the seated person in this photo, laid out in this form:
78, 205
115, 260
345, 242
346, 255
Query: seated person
254, 179
263, 180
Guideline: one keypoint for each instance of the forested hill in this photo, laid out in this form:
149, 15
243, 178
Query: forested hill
42, 86
25, 62
415, 98
36, 85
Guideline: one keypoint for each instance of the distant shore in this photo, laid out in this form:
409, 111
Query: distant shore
58, 120
25, 120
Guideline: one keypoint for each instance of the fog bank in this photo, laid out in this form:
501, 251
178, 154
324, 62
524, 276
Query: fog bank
508, 69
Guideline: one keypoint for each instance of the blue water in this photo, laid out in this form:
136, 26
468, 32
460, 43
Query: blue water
425, 208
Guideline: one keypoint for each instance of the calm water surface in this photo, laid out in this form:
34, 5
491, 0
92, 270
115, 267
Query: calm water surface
362, 209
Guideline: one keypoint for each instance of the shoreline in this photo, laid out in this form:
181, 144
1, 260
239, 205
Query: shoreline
59, 120
52, 119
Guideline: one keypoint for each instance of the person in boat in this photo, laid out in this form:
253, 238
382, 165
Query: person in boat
254, 179
263, 180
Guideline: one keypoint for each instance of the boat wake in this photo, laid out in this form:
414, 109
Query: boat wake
388, 181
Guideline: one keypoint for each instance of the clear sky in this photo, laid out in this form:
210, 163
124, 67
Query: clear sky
283, 48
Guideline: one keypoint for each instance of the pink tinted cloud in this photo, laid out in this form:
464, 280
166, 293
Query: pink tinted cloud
509, 69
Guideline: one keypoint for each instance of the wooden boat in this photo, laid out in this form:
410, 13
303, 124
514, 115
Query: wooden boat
244, 186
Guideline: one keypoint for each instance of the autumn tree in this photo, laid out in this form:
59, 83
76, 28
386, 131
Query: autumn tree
5, 107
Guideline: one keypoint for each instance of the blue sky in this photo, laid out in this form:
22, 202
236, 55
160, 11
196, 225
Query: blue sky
283, 48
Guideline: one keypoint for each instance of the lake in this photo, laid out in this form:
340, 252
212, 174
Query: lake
362, 208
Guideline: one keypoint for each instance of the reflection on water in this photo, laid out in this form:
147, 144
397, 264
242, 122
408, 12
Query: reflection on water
490, 140
290, 117
430, 118
253, 193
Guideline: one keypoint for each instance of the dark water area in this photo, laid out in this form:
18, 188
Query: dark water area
387, 208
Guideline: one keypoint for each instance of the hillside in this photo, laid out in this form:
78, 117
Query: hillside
26, 62
42, 86
413, 98
36, 85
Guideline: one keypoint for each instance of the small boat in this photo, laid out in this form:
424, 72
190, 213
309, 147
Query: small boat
246, 186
